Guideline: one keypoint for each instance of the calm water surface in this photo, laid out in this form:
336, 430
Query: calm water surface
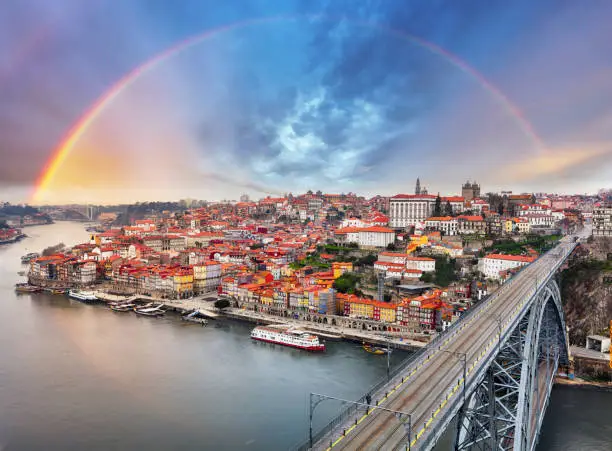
76, 377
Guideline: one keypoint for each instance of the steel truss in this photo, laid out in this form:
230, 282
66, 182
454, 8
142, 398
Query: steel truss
505, 409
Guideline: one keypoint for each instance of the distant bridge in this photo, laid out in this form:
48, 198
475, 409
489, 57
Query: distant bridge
493, 370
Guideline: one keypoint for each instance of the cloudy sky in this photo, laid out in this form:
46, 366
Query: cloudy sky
269, 97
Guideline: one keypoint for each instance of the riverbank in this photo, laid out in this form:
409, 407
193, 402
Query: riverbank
326, 331
583, 384
14, 239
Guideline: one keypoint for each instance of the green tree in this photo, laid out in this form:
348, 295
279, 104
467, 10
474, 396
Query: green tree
51, 250
427, 277
448, 209
445, 271
222, 303
391, 247
367, 260
438, 207
347, 282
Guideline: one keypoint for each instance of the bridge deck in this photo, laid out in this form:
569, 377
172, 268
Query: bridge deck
431, 388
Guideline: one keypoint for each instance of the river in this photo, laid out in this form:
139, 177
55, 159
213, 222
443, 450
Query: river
75, 376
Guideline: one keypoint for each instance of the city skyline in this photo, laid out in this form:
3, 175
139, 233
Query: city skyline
270, 98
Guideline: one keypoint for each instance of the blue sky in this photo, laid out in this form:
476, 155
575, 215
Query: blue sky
338, 102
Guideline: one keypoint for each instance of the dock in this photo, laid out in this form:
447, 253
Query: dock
324, 331
182, 306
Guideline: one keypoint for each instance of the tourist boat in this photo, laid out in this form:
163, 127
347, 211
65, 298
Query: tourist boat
121, 307
195, 317
83, 296
150, 310
287, 336
26, 288
375, 349
27, 257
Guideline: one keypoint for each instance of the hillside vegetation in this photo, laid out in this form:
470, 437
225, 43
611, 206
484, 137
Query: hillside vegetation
587, 291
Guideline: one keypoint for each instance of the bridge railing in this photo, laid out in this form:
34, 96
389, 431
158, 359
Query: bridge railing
414, 360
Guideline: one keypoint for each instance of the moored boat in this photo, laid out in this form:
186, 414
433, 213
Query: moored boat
375, 349
26, 288
288, 336
121, 307
83, 296
195, 317
150, 310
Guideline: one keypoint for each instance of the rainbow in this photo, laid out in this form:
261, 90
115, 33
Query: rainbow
62, 151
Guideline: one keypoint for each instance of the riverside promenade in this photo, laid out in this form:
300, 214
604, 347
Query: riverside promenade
327, 331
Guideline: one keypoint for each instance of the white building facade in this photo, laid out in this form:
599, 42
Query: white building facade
493, 264
405, 210
602, 221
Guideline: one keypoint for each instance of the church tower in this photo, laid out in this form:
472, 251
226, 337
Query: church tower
417, 189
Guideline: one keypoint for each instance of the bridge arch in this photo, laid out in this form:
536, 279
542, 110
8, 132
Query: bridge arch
505, 408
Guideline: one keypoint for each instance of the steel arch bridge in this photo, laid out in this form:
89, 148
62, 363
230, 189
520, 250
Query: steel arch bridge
507, 404
491, 373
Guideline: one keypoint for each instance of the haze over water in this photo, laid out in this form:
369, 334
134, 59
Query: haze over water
76, 377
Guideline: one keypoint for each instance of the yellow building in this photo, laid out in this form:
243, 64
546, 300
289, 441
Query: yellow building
182, 281
362, 308
416, 241
340, 268
266, 297
387, 312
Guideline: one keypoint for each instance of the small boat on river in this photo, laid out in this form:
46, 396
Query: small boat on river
121, 306
26, 288
195, 317
83, 296
150, 310
375, 349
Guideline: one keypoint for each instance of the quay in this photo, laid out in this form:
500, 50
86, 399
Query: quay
205, 305
326, 331
181, 306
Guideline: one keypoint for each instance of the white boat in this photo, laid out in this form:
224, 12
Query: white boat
122, 307
155, 310
83, 296
287, 336
195, 317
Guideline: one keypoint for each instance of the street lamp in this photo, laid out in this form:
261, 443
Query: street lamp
316, 399
463, 357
